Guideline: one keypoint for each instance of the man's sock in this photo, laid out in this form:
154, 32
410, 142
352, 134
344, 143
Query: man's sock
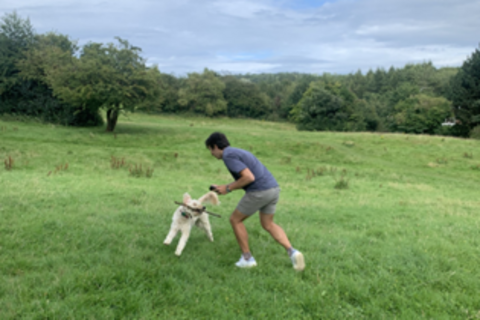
290, 251
247, 255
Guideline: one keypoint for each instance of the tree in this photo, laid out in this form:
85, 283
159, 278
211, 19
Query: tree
167, 98
170, 87
16, 36
110, 77
465, 94
327, 106
442, 80
421, 114
244, 99
370, 119
203, 93
357, 83
402, 92
23, 56
48, 51
380, 81
295, 95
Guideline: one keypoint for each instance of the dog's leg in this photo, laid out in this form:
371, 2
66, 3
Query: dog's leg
183, 240
205, 225
173, 232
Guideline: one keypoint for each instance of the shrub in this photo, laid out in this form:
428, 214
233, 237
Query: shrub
9, 163
475, 133
341, 183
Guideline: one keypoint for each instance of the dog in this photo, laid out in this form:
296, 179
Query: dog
189, 214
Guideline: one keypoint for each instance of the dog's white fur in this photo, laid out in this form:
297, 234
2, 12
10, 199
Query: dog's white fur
183, 224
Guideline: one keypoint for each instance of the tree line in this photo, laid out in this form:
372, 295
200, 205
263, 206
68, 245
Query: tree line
48, 76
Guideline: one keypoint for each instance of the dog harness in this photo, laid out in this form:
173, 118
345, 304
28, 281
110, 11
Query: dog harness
186, 215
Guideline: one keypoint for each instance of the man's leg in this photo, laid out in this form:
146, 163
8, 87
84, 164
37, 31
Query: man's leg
279, 235
236, 220
275, 230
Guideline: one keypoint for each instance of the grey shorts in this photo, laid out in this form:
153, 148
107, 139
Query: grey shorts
264, 200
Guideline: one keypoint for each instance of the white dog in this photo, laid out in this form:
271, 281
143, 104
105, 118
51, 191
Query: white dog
188, 214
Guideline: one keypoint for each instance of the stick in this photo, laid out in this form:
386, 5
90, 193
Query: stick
210, 213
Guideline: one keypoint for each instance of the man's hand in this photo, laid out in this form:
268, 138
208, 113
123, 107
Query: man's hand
221, 189
218, 189
246, 177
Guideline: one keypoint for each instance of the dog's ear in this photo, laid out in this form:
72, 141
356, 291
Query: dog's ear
186, 198
210, 197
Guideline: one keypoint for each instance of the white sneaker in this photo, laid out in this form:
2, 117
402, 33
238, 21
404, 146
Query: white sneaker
297, 260
242, 263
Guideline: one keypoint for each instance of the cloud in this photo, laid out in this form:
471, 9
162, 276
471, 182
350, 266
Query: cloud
240, 36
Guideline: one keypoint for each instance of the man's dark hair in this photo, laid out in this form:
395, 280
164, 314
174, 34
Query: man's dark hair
217, 139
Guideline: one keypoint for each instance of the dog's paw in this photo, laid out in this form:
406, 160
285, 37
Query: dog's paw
166, 243
178, 254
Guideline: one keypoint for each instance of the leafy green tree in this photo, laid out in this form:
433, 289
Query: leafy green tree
393, 78
203, 93
465, 94
421, 114
319, 109
23, 55
327, 106
370, 83
402, 92
244, 99
16, 37
283, 89
369, 119
442, 80
110, 77
167, 99
295, 95
48, 51
357, 83
380, 81
380, 106
170, 87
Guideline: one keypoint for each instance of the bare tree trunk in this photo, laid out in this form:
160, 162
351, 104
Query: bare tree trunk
112, 117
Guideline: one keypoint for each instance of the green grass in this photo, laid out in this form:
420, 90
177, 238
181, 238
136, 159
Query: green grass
401, 240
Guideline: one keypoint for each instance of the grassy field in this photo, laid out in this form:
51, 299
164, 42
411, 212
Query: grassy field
389, 224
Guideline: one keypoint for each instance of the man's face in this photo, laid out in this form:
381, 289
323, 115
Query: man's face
217, 153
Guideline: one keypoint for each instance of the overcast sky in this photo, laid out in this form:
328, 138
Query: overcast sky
256, 36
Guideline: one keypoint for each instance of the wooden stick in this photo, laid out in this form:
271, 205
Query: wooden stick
210, 213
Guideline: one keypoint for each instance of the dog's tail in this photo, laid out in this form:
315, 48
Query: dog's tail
210, 197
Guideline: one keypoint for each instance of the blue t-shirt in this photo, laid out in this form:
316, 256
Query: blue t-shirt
237, 160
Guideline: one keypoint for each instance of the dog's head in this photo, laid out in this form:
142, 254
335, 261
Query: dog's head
196, 207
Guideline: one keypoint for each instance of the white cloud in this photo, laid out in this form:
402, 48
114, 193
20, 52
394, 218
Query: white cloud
270, 35
242, 9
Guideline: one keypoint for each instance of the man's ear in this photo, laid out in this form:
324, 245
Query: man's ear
186, 198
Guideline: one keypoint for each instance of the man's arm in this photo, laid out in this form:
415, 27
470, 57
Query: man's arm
246, 177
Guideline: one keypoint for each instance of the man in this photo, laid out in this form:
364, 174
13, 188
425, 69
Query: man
261, 194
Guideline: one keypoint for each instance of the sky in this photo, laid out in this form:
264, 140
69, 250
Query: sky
269, 36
